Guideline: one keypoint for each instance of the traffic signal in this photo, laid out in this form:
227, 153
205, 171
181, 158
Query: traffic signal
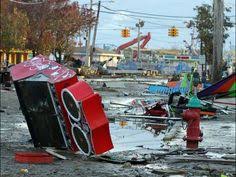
173, 32
125, 32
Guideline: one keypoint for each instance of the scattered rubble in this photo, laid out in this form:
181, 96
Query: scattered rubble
144, 145
160, 154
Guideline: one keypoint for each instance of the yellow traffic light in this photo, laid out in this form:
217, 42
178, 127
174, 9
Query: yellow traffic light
122, 33
125, 32
173, 32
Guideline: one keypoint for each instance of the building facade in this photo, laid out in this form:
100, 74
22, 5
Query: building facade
79, 53
14, 57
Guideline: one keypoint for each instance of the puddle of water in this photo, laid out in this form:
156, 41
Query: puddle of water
126, 79
132, 137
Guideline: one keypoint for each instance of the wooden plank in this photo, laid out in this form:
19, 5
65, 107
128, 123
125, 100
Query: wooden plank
169, 171
195, 159
207, 113
217, 105
147, 117
221, 102
120, 104
50, 151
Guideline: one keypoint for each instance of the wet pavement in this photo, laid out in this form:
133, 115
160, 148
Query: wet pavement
129, 137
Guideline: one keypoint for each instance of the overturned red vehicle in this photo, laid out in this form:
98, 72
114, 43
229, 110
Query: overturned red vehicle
60, 110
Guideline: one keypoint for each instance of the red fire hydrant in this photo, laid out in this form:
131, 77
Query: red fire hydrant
192, 117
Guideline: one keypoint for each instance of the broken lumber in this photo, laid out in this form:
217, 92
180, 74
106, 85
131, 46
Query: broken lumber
147, 117
219, 106
52, 152
195, 159
120, 104
169, 171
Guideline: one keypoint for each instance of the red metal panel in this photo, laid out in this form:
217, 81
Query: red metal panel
77, 92
33, 157
80, 90
98, 124
93, 114
41, 64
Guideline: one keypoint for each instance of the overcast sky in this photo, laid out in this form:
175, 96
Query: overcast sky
110, 24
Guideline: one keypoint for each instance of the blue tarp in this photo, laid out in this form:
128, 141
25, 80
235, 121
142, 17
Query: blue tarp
166, 90
182, 67
127, 65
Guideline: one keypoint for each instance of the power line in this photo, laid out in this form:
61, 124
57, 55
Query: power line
26, 3
132, 28
155, 15
146, 21
140, 16
148, 14
163, 25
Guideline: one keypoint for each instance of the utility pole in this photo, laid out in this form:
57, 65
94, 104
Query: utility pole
95, 33
218, 8
139, 25
88, 34
138, 54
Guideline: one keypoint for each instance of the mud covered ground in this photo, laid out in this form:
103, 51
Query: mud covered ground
156, 157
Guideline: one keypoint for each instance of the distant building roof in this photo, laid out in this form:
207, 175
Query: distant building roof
169, 51
82, 50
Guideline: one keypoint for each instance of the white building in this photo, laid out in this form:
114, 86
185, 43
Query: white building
99, 55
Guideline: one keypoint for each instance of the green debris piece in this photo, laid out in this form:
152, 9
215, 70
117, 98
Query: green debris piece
184, 81
194, 102
222, 175
190, 92
232, 90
